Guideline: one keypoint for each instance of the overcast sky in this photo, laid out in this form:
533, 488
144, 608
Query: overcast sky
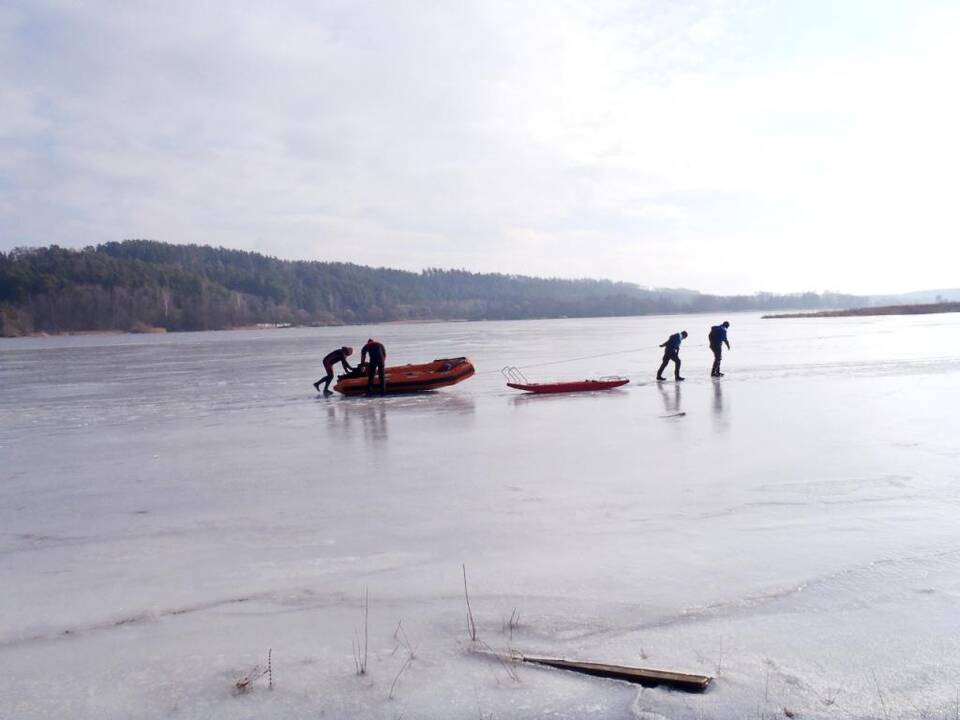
723, 146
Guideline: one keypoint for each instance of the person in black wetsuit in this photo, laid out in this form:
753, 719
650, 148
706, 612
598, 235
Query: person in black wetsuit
672, 352
378, 358
337, 356
717, 338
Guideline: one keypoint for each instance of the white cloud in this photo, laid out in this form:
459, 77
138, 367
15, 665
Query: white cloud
724, 146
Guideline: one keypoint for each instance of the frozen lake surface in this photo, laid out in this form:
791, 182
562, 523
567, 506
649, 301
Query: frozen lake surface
171, 507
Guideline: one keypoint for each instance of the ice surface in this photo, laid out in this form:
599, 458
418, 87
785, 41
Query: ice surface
171, 507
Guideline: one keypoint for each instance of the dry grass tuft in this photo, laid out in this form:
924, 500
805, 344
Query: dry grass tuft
245, 683
471, 623
360, 638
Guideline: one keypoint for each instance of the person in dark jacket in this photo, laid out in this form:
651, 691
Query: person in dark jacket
672, 352
337, 356
717, 338
378, 359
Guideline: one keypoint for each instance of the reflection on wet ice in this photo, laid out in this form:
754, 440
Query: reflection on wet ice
671, 399
345, 416
720, 419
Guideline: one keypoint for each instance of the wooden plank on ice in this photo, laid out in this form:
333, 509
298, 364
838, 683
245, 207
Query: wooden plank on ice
644, 676
648, 677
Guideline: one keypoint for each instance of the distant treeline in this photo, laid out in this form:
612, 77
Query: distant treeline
142, 284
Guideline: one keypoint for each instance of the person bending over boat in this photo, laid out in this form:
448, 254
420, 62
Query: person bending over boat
717, 337
378, 359
337, 356
672, 352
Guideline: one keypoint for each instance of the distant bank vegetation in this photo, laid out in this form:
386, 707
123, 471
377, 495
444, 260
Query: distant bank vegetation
919, 309
140, 285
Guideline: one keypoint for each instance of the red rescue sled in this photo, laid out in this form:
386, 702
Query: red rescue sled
517, 381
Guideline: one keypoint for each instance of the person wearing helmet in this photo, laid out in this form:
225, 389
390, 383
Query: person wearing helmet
378, 358
717, 338
337, 356
672, 352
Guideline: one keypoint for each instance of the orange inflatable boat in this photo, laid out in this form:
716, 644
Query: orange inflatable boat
410, 378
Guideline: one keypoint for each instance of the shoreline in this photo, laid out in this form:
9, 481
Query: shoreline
918, 309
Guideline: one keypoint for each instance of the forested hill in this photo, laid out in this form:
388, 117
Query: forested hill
142, 284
